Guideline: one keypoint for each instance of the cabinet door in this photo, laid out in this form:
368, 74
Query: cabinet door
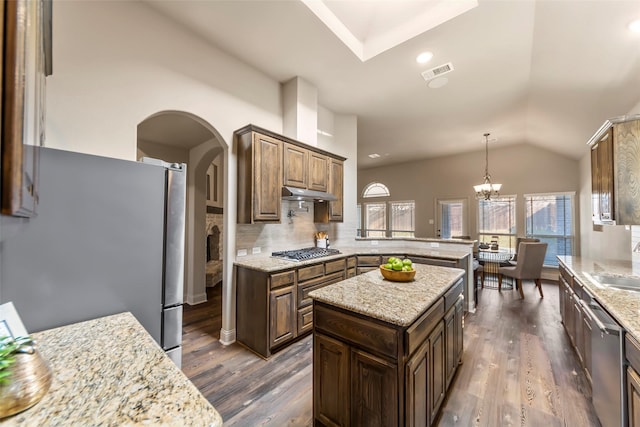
374, 392
437, 369
330, 381
595, 185
336, 185
283, 315
586, 342
318, 171
450, 344
267, 178
605, 170
417, 388
459, 332
626, 139
633, 397
295, 166
578, 334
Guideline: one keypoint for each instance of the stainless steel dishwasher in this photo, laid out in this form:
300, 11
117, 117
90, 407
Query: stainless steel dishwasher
607, 357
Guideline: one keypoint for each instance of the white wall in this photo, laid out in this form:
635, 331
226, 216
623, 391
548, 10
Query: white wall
521, 169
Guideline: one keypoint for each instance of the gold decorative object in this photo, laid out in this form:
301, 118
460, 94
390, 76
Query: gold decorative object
28, 382
397, 276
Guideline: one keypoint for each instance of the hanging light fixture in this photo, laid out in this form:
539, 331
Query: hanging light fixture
487, 189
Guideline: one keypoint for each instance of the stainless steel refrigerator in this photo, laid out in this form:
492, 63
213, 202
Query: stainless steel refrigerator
109, 237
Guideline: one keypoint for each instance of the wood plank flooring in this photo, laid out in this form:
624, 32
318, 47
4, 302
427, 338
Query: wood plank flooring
518, 369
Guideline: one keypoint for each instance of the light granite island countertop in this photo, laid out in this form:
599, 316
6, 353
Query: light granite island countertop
399, 303
109, 371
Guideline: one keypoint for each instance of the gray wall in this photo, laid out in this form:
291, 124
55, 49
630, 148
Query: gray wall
521, 169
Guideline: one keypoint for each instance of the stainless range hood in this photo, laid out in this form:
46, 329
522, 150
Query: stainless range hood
293, 193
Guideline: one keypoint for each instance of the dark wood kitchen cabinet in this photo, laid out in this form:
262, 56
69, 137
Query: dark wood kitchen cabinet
267, 161
259, 177
370, 372
332, 211
274, 309
615, 171
575, 318
295, 166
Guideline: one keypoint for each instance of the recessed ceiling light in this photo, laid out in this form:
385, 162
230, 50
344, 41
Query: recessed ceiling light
424, 57
374, 155
635, 26
438, 82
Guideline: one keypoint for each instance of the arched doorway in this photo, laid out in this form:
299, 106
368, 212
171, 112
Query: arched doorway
177, 136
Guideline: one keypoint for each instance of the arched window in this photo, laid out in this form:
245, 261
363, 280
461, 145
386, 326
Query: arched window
375, 189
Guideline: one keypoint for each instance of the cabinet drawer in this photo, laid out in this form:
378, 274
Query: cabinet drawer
565, 274
282, 279
351, 262
305, 319
368, 260
362, 270
451, 297
306, 273
632, 352
317, 283
334, 266
435, 261
351, 272
421, 328
375, 338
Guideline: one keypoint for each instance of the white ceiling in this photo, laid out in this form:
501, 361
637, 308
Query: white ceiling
540, 72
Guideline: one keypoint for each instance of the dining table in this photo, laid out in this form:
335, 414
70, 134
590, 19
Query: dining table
491, 260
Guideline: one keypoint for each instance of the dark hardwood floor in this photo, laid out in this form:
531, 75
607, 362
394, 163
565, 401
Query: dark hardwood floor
518, 369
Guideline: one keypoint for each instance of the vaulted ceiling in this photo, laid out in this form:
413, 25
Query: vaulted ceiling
546, 73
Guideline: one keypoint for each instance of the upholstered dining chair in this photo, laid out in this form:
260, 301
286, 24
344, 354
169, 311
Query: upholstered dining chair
529, 266
514, 258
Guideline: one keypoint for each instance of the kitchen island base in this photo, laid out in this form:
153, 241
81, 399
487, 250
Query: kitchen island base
372, 372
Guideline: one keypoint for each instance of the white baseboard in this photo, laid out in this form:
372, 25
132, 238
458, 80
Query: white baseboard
197, 299
227, 337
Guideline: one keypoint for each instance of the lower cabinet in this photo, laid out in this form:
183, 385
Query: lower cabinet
632, 355
283, 315
371, 373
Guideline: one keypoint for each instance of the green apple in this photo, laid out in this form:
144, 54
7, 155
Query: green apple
391, 260
388, 266
407, 261
397, 265
407, 268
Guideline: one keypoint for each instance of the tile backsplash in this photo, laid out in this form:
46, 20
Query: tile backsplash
295, 230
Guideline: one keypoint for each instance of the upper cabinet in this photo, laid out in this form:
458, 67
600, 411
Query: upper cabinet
259, 178
615, 172
267, 161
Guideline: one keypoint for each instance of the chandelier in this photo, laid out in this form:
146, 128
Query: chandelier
487, 189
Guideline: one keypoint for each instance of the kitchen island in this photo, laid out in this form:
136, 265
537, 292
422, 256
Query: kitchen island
386, 352
109, 371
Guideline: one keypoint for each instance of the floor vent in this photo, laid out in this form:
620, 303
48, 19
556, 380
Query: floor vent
437, 71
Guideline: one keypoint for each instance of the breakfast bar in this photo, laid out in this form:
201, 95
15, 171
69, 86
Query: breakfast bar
386, 352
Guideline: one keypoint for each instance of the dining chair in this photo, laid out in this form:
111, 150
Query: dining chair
529, 266
519, 240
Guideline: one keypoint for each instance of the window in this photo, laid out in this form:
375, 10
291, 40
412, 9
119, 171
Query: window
375, 220
375, 189
400, 215
549, 217
497, 221
403, 219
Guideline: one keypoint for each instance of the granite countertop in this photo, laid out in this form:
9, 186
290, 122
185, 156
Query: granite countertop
622, 304
109, 371
399, 303
270, 264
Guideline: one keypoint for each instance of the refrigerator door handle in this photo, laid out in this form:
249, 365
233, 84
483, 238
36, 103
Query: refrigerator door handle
174, 236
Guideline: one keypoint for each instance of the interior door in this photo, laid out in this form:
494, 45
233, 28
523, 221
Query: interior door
452, 218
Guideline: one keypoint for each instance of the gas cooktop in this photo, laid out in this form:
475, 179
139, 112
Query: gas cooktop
305, 253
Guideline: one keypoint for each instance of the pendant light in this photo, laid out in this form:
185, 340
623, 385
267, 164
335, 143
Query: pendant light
487, 189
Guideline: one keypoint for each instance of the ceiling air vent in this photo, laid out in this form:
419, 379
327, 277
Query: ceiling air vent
437, 71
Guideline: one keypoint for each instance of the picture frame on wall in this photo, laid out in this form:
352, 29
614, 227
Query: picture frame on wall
26, 61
